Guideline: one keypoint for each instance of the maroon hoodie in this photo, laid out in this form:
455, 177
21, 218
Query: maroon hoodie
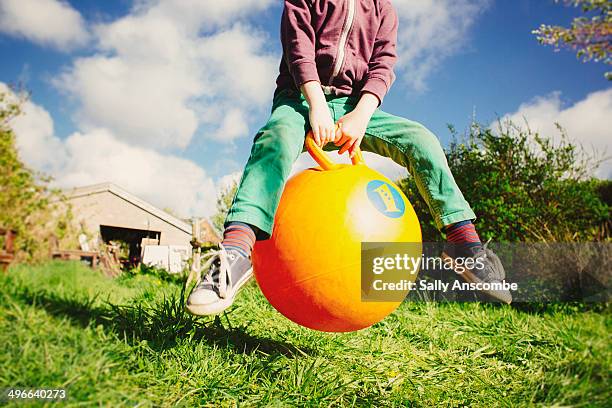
346, 45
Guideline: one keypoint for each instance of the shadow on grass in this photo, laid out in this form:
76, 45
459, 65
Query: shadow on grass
573, 307
162, 325
541, 308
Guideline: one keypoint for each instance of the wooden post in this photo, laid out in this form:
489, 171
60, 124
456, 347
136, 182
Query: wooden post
196, 250
7, 254
8, 245
196, 229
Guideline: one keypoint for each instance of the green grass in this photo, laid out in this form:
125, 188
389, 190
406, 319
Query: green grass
128, 342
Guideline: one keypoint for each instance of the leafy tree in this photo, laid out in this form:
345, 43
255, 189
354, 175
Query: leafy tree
590, 36
27, 205
224, 202
524, 187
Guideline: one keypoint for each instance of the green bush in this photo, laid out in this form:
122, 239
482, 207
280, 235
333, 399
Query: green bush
224, 202
155, 271
27, 204
524, 187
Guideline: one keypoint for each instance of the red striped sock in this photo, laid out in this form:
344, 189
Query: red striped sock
463, 233
240, 237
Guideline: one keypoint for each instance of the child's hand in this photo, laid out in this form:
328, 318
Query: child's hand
350, 131
319, 115
352, 126
322, 124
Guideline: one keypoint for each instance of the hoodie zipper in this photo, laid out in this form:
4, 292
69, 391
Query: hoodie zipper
341, 54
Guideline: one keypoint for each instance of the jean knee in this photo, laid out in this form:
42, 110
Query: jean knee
423, 140
278, 145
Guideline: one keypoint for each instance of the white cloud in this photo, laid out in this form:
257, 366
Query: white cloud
165, 180
431, 31
587, 122
381, 164
144, 103
228, 180
97, 156
47, 22
36, 142
196, 14
155, 79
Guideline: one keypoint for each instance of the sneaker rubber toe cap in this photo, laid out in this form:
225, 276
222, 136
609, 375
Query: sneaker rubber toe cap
203, 297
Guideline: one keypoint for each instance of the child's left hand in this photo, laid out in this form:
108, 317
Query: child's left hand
351, 127
350, 131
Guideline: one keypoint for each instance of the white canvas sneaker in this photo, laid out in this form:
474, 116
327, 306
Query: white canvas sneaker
225, 272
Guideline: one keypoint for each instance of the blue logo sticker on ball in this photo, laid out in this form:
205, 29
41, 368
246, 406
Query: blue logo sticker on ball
386, 198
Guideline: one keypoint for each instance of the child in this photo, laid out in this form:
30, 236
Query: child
337, 66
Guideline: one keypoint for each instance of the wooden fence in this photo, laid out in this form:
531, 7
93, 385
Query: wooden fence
7, 252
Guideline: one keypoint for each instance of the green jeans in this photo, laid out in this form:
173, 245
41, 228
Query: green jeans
279, 142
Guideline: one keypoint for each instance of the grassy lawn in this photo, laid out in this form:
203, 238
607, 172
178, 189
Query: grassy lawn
128, 342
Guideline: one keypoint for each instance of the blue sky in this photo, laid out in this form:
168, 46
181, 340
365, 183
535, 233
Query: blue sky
477, 57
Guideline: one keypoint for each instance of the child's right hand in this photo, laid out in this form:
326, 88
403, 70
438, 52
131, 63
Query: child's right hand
322, 124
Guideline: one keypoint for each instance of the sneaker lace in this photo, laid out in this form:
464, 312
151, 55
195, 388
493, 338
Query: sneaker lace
493, 259
482, 252
211, 257
486, 244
